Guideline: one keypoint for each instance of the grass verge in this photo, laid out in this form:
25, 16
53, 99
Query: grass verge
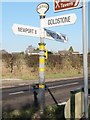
48, 75
51, 113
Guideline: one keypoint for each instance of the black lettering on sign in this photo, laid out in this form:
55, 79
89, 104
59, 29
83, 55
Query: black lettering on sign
68, 18
27, 30
35, 31
65, 19
49, 22
30, 30
20, 29
54, 35
58, 21
57, 36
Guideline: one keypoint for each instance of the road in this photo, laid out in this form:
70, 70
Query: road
22, 96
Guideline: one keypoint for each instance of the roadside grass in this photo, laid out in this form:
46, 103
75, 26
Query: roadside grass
49, 74
20, 75
63, 75
22, 114
53, 113
50, 113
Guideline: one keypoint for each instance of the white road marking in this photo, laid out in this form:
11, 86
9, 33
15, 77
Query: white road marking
63, 85
21, 84
58, 86
15, 93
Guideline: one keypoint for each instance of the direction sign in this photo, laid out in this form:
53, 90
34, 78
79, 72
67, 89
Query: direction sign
31, 31
60, 20
47, 36
26, 30
60, 5
57, 36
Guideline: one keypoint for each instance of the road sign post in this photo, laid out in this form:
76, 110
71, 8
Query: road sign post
85, 53
42, 9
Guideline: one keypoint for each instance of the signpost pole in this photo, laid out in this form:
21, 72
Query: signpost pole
41, 67
42, 9
85, 58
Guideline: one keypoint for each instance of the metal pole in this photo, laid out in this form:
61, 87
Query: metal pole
85, 68
42, 8
41, 66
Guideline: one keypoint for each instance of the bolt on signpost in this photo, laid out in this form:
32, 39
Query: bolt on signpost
42, 9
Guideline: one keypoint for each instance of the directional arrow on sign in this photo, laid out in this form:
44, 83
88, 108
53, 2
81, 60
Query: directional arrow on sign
60, 20
26, 30
57, 36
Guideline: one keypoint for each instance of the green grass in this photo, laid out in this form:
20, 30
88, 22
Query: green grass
49, 74
24, 76
63, 74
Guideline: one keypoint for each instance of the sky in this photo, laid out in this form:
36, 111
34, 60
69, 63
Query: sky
24, 12
89, 27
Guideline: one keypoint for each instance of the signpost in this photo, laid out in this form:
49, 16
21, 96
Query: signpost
42, 9
85, 61
60, 20
19, 29
26, 30
57, 36
68, 19
42, 32
60, 5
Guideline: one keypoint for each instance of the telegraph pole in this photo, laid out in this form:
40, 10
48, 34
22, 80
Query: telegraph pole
42, 9
85, 53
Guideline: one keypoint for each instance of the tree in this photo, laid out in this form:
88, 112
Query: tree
71, 49
10, 60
